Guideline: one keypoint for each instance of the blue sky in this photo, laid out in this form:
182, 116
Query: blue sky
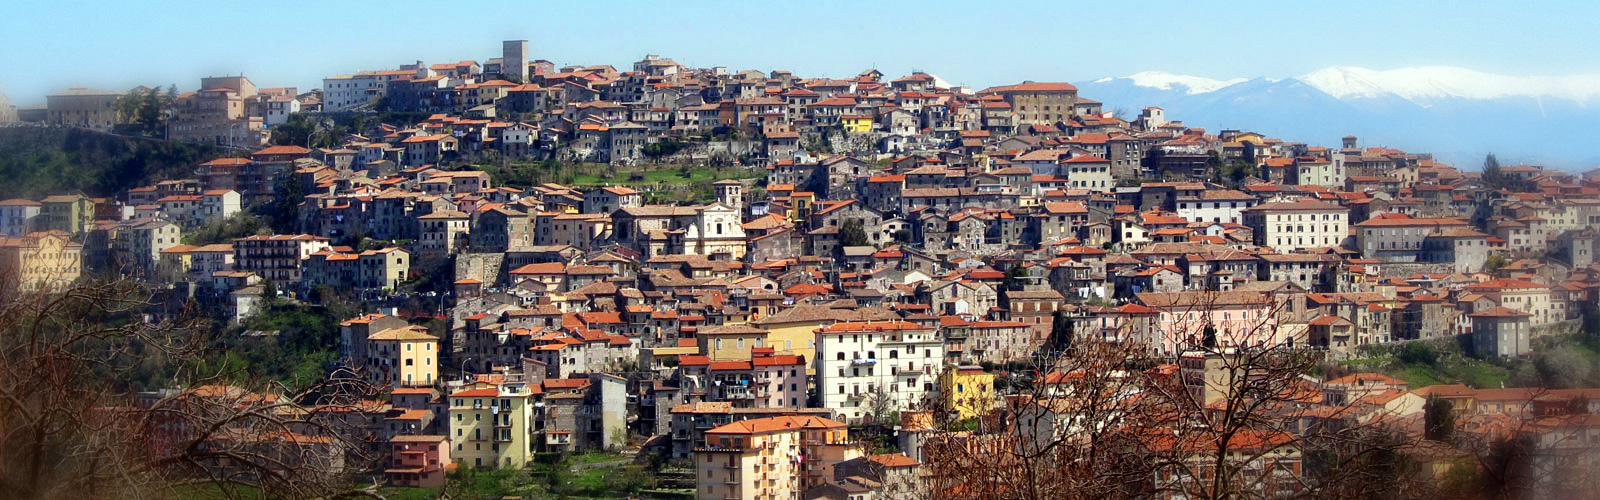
111, 44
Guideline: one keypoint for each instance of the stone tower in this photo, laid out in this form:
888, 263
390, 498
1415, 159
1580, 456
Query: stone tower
514, 60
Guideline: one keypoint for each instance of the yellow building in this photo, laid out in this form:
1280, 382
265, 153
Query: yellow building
770, 458
794, 330
490, 426
41, 261
664, 358
800, 203
730, 342
402, 357
856, 124
968, 391
69, 213
176, 261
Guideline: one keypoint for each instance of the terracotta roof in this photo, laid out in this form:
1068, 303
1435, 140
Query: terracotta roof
777, 424
894, 460
1503, 284
1297, 205
1202, 298
1499, 312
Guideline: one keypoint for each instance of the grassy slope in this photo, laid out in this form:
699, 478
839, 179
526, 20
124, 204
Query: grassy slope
36, 162
1456, 369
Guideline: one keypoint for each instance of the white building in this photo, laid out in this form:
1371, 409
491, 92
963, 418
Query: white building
1291, 225
861, 363
1321, 172
1216, 206
344, 92
218, 204
717, 229
17, 216
1089, 172
279, 108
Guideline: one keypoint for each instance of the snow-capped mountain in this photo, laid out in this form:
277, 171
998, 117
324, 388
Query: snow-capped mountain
1458, 114
1439, 82
1166, 81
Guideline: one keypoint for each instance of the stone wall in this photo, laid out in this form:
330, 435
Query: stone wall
485, 267
1562, 328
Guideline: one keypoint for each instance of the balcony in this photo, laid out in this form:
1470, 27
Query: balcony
737, 392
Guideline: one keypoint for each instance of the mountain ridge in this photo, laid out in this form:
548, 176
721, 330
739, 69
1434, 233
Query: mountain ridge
1455, 113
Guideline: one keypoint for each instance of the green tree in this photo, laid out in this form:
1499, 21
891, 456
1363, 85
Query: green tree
1561, 369
1439, 419
1215, 166
128, 106
1492, 176
663, 148
902, 236
1235, 172
1061, 331
852, 234
1014, 278
152, 111
1494, 262
1418, 353
236, 226
269, 293
283, 212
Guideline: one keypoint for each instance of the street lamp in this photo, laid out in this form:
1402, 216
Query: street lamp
464, 369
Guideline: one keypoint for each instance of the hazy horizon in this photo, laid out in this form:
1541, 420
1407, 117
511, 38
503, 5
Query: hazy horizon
116, 46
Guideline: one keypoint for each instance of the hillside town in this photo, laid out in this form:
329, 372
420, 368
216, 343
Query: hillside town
858, 288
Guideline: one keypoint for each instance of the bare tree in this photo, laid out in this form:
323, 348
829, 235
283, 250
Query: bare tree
1233, 415
72, 427
1549, 449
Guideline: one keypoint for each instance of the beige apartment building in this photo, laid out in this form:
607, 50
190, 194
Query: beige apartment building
40, 261
1038, 102
1292, 225
81, 107
221, 113
774, 458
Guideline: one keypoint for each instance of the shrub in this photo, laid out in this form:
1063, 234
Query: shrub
1418, 353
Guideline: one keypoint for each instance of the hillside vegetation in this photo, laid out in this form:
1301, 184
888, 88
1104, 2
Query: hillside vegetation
37, 161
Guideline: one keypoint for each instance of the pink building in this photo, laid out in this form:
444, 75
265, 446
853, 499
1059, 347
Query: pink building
1237, 318
418, 461
767, 380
